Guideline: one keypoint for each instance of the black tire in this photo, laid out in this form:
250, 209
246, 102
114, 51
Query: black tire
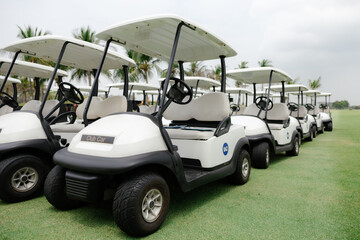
329, 127
314, 131
22, 178
243, 169
321, 129
261, 155
311, 137
129, 203
54, 190
296, 148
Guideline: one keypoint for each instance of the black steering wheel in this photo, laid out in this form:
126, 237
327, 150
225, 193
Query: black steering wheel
177, 92
323, 106
71, 93
292, 106
309, 106
234, 107
8, 100
261, 103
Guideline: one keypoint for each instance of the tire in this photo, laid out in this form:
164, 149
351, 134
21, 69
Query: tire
243, 169
314, 131
329, 127
131, 210
22, 178
296, 148
261, 155
54, 190
322, 128
311, 137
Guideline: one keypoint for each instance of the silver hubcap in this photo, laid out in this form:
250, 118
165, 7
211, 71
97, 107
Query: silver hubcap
297, 146
24, 179
245, 167
267, 156
151, 205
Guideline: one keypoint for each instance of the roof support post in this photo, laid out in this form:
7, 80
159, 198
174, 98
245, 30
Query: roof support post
223, 74
9, 71
254, 88
282, 92
37, 88
126, 81
268, 94
14, 91
96, 84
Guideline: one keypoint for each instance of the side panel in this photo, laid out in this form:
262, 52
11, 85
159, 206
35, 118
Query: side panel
253, 125
283, 136
214, 151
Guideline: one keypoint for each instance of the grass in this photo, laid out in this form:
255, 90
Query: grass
313, 196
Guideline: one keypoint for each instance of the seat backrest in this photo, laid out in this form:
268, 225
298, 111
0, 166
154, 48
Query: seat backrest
253, 110
209, 107
5, 109
143, 108
34, 105
278, 112
150, 109
112, 104
302, 112
315, 111
93, 109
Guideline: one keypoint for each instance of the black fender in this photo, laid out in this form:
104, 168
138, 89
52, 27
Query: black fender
111, 165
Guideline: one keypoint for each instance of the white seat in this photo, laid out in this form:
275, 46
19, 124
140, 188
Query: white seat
213, 107
34, 105
5, 109
302, 112
279, 113
143, 108
315, 111
253, 110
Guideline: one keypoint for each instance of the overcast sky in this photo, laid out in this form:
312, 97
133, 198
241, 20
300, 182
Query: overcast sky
305, 38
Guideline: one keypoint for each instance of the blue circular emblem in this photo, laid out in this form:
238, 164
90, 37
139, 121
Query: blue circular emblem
287, 135
225, 149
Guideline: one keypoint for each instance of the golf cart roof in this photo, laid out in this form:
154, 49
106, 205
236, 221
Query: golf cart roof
10, 80
236, 90
79, 54
135, 86
86, 89
29, 69
259, 75
289, 88
311, 92
204, 82
324, 94
154, 36
263, 93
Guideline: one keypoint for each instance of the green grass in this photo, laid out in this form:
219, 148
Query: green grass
313, 196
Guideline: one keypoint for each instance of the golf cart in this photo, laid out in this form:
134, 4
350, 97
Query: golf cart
142, 88
325, 113
132, 155
268, 126
298, 111
7, 105
27, 140
236, 108
314, 110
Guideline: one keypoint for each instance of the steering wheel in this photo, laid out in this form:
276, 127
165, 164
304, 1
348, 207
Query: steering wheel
309, 106
323, 106
234, 107
177, 92
292, 106
8, 100
260, 102
71, 93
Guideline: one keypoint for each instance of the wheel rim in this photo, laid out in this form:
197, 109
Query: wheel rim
267, 157
152, 205
24, 179
245, 167
297, 145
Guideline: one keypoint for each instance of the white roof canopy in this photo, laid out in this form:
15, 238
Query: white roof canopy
28, 69
204, 82
78, 53
289, 88
324, 94
85, 89
154, 36
10, 80
135, 86
259, 75
312, 93
236, 90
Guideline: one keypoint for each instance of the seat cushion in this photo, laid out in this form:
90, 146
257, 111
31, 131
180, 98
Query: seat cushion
72, 128
5, 109
34, 105
253, 110
279, 112
190, 133
302, 112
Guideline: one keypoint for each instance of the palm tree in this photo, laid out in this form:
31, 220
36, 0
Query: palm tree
215, 73
315, 84
87, 35
296, 80
175, 70
265, 63
243, 64
196, 69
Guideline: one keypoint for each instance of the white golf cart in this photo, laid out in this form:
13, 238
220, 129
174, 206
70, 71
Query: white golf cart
313, 109
238, 108
7, 105
325, 113
27, 141
268, 126
298, 111
133, 156
143, 89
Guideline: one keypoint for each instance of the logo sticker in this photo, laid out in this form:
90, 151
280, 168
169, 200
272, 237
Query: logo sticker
225, 149
97, 139
287, 135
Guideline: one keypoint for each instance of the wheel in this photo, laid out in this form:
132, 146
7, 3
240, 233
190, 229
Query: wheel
141, 204
329, 127
296, 147
21, 178
311, 137
243, 168
54, 190
314, 131
261, 155
321, 129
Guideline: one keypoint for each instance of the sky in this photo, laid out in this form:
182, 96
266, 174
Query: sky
305, 38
